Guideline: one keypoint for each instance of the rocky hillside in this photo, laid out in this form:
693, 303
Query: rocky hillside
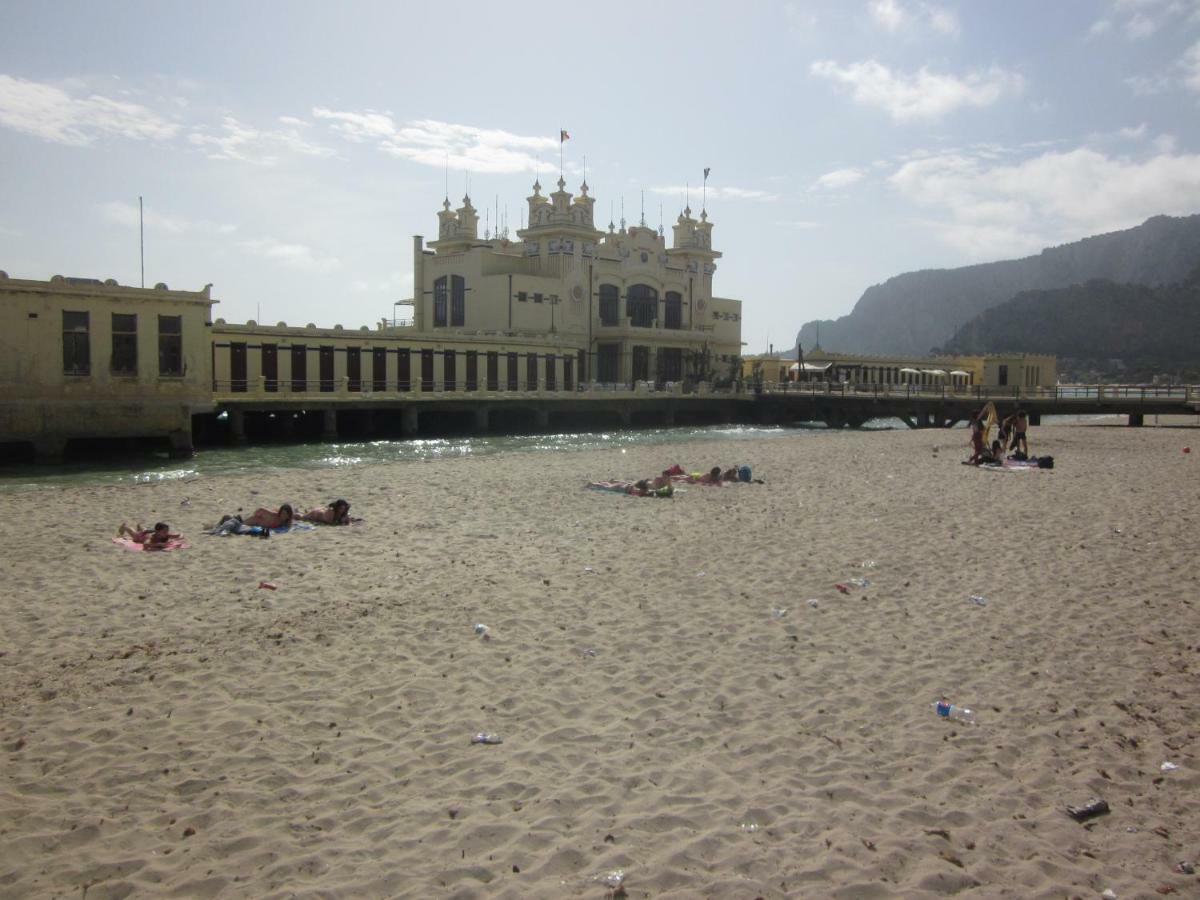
917, 311
1139, 328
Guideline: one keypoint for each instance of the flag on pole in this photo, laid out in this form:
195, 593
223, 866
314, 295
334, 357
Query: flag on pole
563, 136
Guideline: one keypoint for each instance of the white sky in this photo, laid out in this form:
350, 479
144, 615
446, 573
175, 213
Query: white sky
287, 152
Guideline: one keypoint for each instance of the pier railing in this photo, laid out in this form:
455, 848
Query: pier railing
1097, 392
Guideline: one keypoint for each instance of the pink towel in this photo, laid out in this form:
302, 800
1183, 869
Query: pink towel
174, 544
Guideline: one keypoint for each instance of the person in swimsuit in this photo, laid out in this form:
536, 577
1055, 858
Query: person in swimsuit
152, 539
977, 448
336, 513
270, 518
1020, 426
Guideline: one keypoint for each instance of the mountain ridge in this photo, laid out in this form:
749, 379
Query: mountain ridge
911, 313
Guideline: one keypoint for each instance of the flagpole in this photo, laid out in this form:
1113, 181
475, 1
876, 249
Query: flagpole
142, 239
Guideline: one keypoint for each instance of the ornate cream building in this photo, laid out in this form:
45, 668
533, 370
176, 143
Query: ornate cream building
632, 308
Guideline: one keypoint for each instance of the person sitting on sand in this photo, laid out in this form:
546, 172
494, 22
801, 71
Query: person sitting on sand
977, 448
270, 518
713, 477
151, 539
730, 474
336, 513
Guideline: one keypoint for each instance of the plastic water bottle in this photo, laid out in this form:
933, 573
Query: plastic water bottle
948, 710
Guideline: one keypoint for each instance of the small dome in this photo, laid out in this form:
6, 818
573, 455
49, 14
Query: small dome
250, 323
281, 324
337, 327
110, 282
161, 286
222, 322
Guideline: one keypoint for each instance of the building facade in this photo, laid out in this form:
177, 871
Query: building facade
632, 308
82, 358
1016, 370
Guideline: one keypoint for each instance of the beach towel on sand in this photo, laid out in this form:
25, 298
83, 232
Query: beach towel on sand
173, 544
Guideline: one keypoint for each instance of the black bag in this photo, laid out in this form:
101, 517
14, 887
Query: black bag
1045, 462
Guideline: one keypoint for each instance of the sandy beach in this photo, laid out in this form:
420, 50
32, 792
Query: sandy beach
670, 702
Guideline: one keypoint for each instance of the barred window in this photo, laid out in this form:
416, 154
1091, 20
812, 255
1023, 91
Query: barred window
77, 353
124, 344
170, 345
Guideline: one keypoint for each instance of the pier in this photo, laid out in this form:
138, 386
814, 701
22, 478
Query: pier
333, 411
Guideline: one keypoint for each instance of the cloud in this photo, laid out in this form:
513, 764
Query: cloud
716, 193
245, 143
802, 224
1190, 64
434, 143
126, 214
53, 114
893, 16
925, 95
294, 256
992, 210
888, 14
839, 178
1133, 134
1139, 19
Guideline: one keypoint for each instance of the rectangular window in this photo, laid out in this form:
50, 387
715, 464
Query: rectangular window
439, 302
472, 370
493, 371
299, 368
325, 360
567, 379
170, 345
608, 363
609, 304
449, 370
641, 363
537, 298
270, 367
522, 297
427, 370
354, 368
237, 367
458, 301
551, 381
379, 369
404, 370
1003, 379
511, 369
77, 355
124, 344
531, 372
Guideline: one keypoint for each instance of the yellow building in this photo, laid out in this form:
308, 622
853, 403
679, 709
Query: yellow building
86, 359
632, 308
956, 372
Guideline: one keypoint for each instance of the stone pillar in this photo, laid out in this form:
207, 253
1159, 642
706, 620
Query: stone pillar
49, 450
481, 419
181, 444
237, 426
329, 430
409, 421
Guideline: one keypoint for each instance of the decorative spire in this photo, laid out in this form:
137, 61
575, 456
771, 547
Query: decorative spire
561, 183
537, 187
583, 188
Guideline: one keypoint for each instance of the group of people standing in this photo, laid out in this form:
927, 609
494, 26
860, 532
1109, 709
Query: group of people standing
1011, 440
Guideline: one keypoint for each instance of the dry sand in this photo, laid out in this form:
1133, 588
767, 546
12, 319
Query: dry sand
167, 727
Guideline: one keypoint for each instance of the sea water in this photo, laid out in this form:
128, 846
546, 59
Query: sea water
268, 458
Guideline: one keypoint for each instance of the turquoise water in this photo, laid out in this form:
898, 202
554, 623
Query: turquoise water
283, 457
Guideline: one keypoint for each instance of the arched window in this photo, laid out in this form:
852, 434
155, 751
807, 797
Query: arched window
642, 303
609, 304
439, 302
674, 310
